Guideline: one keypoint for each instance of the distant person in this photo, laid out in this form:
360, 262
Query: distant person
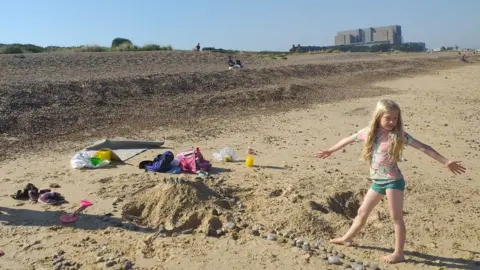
234, 64
198, 47
384, 140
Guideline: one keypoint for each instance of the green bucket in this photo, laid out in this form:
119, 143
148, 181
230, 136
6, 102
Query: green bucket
95, 161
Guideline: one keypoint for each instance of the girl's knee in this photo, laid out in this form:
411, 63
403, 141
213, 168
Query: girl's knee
397, 218
362, 213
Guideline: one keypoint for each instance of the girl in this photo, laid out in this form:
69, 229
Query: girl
385, 140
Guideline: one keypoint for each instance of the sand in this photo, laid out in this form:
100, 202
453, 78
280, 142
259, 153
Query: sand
289, 190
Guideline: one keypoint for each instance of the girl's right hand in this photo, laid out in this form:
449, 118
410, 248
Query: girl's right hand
324, 154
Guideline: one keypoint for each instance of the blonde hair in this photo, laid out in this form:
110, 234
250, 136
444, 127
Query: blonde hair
396, 142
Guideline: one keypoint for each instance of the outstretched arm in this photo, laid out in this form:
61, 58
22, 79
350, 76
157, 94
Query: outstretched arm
342, 143
453, 166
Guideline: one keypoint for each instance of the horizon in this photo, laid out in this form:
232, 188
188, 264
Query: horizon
245, 26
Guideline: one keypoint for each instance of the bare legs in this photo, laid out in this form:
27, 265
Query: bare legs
395, 207
371, 199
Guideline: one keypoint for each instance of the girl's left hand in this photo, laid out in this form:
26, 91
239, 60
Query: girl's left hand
455, 167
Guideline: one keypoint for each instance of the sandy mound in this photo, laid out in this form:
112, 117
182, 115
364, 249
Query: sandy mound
179, 207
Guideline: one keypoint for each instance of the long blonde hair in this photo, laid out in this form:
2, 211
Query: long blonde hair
396, 141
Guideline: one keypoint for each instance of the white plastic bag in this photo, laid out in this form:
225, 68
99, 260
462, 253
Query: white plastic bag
226, 154
82, 160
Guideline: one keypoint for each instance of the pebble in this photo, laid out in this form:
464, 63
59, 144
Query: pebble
315, 245
299, 241
230, 225
323, 256
333, 260
161, 229
306, 247
271, 237
356, 266
127, 265
110, 263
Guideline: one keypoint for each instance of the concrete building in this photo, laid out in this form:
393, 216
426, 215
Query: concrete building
385, 34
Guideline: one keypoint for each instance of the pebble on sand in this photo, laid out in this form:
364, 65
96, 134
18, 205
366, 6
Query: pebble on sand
334, 260
230, 225
356, 266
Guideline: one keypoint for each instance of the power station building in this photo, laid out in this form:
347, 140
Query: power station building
372, 35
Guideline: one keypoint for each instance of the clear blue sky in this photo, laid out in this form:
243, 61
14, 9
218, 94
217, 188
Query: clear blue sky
234, 24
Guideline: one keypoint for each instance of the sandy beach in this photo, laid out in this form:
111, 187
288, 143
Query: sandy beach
288, 192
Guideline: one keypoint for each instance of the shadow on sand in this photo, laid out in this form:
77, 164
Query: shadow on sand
432, 260
26, 217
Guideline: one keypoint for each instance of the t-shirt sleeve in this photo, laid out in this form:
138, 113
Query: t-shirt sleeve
408, 138
361, 135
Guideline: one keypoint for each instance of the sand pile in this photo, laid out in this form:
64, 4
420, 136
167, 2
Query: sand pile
177, 207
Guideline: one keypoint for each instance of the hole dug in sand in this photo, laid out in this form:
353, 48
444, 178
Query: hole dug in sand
346, 203
179, 207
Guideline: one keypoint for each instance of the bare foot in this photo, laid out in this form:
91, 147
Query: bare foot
341, 241
393, 258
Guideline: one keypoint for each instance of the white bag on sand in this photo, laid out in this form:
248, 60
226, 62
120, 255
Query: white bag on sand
224, 153
82, 160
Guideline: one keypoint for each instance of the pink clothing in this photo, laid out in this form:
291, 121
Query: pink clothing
381, 168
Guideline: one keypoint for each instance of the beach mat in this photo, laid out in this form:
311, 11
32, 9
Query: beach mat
123, 149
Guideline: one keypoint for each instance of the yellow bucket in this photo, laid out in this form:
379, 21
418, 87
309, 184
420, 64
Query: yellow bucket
104, 154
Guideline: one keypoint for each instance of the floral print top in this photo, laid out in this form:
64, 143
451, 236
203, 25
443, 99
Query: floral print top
381, 167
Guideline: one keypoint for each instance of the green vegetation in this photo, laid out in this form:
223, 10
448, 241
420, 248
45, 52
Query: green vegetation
213, 49
118, 44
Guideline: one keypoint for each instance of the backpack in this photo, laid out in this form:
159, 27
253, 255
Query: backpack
193, 161
160, 163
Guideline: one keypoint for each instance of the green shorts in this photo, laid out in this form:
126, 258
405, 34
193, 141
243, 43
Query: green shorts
382, 188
